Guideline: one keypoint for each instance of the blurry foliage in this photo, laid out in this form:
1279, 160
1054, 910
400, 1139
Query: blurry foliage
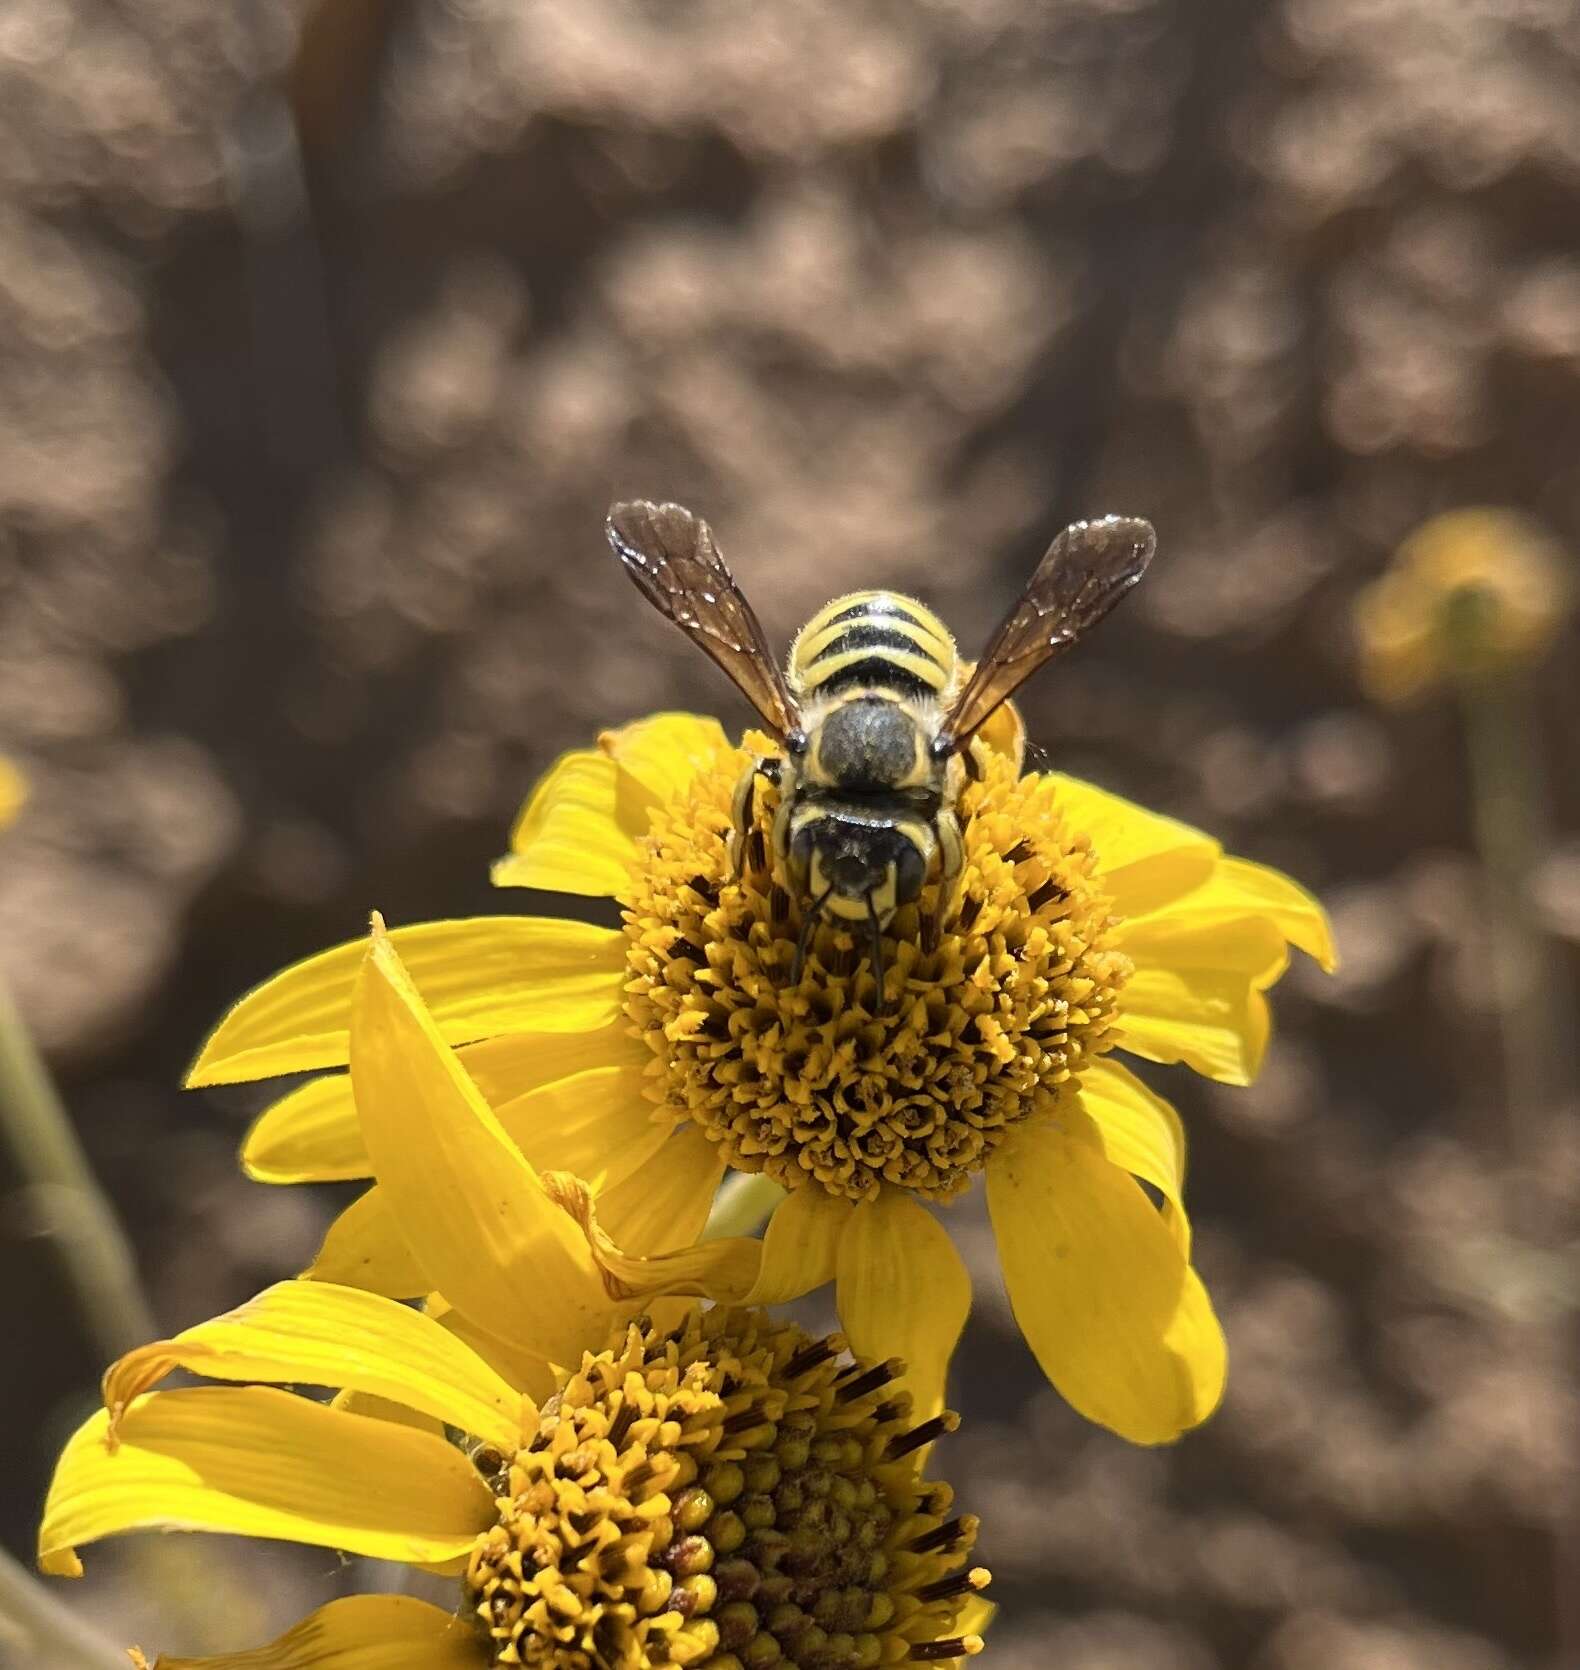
306, 451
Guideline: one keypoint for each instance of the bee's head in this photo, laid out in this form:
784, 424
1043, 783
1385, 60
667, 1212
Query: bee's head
861, 867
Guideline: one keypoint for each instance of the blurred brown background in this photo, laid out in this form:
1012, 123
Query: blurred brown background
325, 340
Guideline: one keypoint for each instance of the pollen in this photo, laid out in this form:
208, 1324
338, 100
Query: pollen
983, 1016
731, 1495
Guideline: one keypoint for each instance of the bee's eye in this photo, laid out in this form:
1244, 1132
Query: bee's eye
910, 871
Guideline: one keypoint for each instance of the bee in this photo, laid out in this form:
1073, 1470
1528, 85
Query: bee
875, 715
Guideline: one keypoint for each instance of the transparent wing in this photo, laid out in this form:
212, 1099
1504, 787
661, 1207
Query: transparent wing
1084, 573
672, 556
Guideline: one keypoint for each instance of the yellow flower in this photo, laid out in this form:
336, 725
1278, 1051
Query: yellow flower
711, 1490
1083, 925
13, 791
1469, 593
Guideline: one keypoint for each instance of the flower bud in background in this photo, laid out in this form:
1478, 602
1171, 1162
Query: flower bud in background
1469, 593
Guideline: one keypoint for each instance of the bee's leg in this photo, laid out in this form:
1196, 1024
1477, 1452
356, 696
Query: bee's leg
808, 922
744, 806
951, 861
877, 952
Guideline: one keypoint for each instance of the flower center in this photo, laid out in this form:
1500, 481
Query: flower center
979, 1021
731, 1494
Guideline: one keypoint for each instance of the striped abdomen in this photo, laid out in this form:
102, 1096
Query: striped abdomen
873, 640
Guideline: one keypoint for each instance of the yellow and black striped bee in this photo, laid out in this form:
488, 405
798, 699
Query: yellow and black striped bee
876, 714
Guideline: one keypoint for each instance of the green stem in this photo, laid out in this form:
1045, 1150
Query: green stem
1509, 805
743, 1205
61, 1198
46, 1630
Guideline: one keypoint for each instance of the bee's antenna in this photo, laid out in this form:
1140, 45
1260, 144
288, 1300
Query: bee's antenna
808, 923
877, 951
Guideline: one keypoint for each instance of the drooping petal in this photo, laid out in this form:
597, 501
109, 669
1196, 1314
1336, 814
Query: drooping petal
472, 1209
257, 1462
903, 1291
1196, 992
800, 1245
578, 831
364, 1247
1140, 1133
314, 1334
1115, 1315
662, 754
312, 1135
1144, 858
481, 976
359, 1632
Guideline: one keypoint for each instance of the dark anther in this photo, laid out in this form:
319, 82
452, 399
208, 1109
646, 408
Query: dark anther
638, 1477
705, 889
870, 1381
946, 1588
681, 947
923, 1434
1019, 853
970, 910
756, 851
941, 1536
621, 1425
810, 1357
1045, 894
953, 1647
743, 1420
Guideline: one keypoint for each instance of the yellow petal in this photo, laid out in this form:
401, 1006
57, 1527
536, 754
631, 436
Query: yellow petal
665, 1204
578, 831
381, 1409
1144, 858
364, 1247
533, 1374
1196, 992
903, 1291
312, 1135
662, 754
800, 1245
1005, 733
13, 791
310, 1333
309, 1136
598, 1124
1119, 1321
480, 976
258, 1462
1238, 889
1140, 1133
360, 1632
473, 1211
723, 1270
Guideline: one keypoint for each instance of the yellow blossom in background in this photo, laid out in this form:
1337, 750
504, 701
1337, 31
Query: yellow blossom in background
13, 791
674, 1049
1468, 593
692, 1489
